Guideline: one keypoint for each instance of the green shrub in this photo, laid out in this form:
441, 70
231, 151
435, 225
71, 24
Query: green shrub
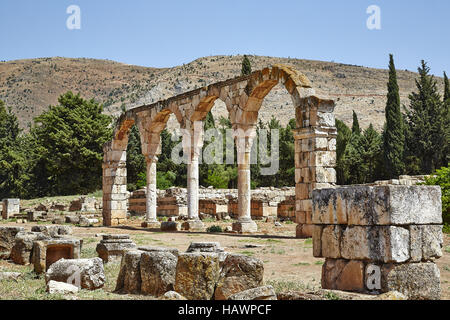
214, 229
442, 178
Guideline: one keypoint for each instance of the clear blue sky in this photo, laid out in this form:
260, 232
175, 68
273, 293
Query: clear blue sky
171, 32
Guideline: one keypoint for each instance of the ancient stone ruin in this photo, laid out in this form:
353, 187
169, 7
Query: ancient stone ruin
315, 145
114, 246
379, 238
10, 207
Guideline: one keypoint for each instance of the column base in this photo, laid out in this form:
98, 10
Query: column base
245, 226
193, 225
304, 231
151, 224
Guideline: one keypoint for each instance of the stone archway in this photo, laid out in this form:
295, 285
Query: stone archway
315, 142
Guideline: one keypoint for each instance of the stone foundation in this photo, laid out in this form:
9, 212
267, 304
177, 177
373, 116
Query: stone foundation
114, 246
379, 238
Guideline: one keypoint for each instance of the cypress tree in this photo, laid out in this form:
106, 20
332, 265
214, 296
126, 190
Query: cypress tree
355, 127
446, 88
246, 66
426, 124
394, 137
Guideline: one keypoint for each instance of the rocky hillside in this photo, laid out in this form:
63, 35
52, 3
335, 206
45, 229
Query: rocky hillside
30, 86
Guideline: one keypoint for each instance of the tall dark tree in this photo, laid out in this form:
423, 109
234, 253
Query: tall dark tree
446, 88
246, 66
393, 135
355, 126
343, 137
135, 159
426, 125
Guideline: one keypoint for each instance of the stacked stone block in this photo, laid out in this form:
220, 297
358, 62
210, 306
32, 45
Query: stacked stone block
379, 238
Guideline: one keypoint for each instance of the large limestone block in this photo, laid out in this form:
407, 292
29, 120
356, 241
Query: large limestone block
197, 275
239, 273
260, 293
10, 207
54, 287
23, 247
83, 273
53, 231
379, 243
158, 271
339, 274
7, 240
331, 239
418, 281
114, 246
129, 278
378, 205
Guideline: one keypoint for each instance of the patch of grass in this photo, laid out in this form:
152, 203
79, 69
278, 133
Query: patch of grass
281, 251
447, 249
288, 222
319, 263
308, 241
274, 241
209, 220
284, 286
88, 252
331, 296
446, 268
247, 253
301, 264
446, 228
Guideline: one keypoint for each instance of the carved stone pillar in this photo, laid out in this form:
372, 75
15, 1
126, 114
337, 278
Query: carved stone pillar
244, 137
151, 220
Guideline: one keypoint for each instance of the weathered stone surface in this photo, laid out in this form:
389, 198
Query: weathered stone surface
417, 281
331, 238
158, 272
197, 275
47, 252
53, 231
86, 222
261, 293
317, 241
245, 227
129, 278
75, 219
114, 246
10, 275
83, 273
23, 246
7, 240
193, 225
339, 274
172, 295
392, 295
173, 251
54, 287
304, 231
170, 226
239, 273
432, 242
378, 205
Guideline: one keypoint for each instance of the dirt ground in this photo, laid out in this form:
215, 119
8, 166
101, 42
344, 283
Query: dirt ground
288, 262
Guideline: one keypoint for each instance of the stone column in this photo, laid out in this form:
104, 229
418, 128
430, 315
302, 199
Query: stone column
115, 194
151, 220
244, 141
192, 146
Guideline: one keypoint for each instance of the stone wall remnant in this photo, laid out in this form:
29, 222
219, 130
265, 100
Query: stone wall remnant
379, 238
10, 207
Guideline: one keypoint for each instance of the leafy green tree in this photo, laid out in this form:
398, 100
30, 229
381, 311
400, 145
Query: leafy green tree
393, 135
426, 132
135, 159
69, 144
442, 178
373, 154
246, 66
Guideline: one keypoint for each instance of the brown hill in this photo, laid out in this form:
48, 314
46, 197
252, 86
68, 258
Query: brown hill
30, 86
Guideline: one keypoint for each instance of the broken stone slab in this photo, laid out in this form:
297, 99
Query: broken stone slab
158, 270
10, 275
129, 278
426, 242
73, 219
377, 205
7, 240
339, 274
260, 293
239, 273
55, 287
245, 226
53, 230
23, 247
86, 222
59, 220
197, 275
83, 273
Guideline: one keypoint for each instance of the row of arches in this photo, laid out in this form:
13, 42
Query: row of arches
315, 142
